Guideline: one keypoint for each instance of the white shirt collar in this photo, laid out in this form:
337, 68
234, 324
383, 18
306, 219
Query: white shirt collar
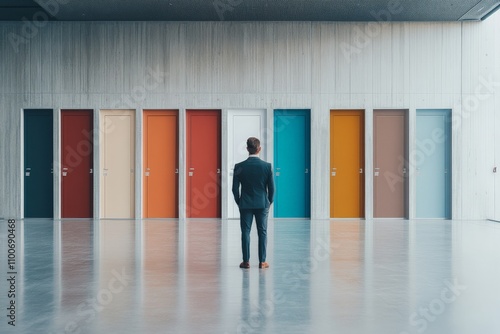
253, 156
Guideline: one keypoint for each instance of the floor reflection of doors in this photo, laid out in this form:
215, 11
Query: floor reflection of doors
117, 262
347, 256
433, 163
160, 164
347, 164
161, 279
38, 164
203, 163
118, 163
242, 124
389, 159
203, 250
77, 270
77, 151
36, 258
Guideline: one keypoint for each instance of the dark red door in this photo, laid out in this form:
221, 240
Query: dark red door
203, 164
77, 163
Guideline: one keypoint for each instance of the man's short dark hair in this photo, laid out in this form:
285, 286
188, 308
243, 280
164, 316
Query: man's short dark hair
253, 145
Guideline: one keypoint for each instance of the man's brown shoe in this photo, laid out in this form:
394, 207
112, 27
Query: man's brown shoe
245, 265
263, 265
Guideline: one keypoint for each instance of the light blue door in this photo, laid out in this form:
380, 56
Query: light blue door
432, 159
292, 151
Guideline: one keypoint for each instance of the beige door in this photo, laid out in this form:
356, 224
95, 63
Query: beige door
117, 155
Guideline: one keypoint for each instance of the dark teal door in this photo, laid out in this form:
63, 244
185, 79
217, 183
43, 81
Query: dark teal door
38, 159
432, 159
292, 159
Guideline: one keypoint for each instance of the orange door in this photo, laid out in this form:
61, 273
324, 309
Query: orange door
160, 164
203, 164
347, 186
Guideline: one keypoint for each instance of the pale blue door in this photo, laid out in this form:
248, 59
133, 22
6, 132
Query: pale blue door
432, 159
292, 151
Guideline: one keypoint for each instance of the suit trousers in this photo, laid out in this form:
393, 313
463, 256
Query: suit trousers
246, 218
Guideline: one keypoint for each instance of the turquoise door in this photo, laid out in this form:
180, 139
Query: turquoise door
432, 159
38, 159
292, 163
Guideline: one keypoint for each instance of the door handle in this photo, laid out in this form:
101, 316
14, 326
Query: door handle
334, 171
191, 171
65, 171
307, 170
376, 173
146, 173
177, 171
218, 170
278, 171
28, 171
105, 171
361, 171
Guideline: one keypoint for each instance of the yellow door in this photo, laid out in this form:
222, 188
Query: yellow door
347, 186
117, 155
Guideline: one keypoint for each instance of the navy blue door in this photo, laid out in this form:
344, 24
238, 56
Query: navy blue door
38, 163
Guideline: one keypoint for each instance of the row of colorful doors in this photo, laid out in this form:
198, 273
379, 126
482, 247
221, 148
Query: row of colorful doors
431, 159
291, 162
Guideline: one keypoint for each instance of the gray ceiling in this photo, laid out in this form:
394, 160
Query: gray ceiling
247, 10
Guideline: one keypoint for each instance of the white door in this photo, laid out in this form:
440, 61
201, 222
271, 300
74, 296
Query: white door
241, 125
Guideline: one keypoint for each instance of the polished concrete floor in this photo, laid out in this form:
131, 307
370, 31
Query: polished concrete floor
166, 276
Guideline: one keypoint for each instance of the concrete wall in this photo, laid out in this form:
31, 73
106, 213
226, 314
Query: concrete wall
264, 65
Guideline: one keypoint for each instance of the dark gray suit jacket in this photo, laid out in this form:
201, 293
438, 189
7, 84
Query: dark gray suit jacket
257, 184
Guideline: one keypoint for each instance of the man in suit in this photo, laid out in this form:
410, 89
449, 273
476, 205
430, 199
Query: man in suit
257, 192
